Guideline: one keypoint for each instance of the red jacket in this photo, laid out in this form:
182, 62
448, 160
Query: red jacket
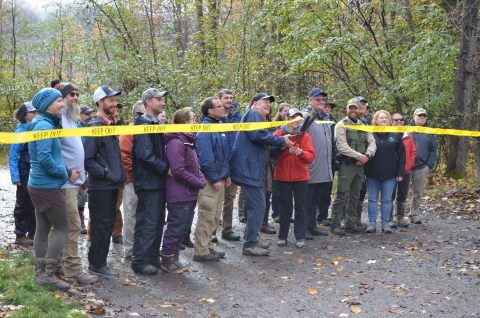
126, 144
410, 152
290, 167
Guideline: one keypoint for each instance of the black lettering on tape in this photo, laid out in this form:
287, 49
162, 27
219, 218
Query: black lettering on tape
206, 128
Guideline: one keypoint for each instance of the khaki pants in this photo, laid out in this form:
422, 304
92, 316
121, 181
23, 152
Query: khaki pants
227, 213
130, 201
418, 183
73, 263
210, 203
117, 228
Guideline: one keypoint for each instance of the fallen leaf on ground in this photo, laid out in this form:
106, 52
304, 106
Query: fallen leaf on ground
389, 259
438, 241
210, 300
99, 310
424, 256
211, 278
334, 261
312, 291
288, 253
372, 261
301, 260
356, 309
285, 277
382, 247
344, 300
478, 274
214, 314
343, 314
134, 314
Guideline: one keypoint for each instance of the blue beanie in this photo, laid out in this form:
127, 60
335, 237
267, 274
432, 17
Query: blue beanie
43, 99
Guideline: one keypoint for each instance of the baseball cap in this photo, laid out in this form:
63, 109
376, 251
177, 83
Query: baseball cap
104, 91
85, 110
332, 104
152, 93
29, 107
65, 88
419, 111
293, 111
366, 105
353, 102
316, 91
260, 96
361, 99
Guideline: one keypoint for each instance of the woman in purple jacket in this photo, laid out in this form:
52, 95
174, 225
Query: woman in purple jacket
183, 182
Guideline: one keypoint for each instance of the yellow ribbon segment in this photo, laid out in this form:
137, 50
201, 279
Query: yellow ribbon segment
12, 138
99, 131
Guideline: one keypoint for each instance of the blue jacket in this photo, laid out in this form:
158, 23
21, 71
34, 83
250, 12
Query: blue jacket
249, 154
232, 117
426, 145
19, 158
47, 170
212, 151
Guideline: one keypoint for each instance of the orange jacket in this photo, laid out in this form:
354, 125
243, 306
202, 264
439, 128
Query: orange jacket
410, 152
290, 167
126, 144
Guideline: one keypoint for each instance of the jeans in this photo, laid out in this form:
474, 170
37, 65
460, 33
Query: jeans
299, 190
255, 202
179, 220
375, 186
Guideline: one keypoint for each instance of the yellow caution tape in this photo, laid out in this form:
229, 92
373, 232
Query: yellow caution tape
99, 131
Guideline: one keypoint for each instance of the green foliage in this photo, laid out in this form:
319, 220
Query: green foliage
18, 287
455, 175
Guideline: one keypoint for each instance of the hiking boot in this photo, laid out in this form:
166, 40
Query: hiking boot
276, 219
82, 279
60, 271
104, 271
46, 275
317, 232
117, 239
31, 235
214, 252
300, 243
336, 231
267, 229
214, 238
324, 222
231, 236
308, 236
354, 230
255, 251
400, 215
187, 242
23, 240
38, 266
169, 266
148, 270
386, 228
263, 245
206, 258
176, 260
372, 227
360, 224
415, 220
392, 222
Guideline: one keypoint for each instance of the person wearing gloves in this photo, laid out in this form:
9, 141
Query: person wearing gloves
19, 164
48, 174
291, 175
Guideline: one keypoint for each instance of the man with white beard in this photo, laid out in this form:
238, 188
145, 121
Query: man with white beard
73, 156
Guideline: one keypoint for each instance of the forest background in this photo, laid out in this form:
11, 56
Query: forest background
399, 54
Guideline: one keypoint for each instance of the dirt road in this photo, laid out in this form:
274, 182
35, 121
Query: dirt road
428, 270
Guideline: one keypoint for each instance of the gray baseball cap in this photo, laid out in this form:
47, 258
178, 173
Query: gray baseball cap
152, 93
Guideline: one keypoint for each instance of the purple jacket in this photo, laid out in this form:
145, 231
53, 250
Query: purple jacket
182, 158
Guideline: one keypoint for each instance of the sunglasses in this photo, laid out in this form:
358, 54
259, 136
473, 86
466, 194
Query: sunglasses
422, 115
72, 94
398, 119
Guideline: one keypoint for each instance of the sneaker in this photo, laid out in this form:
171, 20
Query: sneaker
149, 270
393, 225
300, 243
214, 252
372, 227
276, 219
104, 271
317, 232
231, 236
386, 228
336, 231
255, 251
214, 238
267, 229
206, 258
308, 236
354, 230
282, 242
415, 220
23, 240
324, 222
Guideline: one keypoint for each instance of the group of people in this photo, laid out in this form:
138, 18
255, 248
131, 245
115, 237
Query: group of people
149, 174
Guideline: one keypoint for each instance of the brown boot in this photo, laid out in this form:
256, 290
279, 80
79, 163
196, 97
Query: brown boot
343, 217
46, 276
400, 215
38, 266
392, 222
169, 266
176, 260
23, 240
359, 216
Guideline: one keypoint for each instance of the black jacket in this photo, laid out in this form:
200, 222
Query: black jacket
148, 159
389, 160
103, 160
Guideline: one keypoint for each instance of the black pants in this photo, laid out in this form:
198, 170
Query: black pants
318, 195
147, 238
24, 212
299, 190
102, 206
363, 192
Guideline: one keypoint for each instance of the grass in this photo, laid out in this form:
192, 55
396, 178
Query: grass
18, 287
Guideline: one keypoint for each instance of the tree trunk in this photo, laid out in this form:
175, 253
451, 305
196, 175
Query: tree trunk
457, 157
